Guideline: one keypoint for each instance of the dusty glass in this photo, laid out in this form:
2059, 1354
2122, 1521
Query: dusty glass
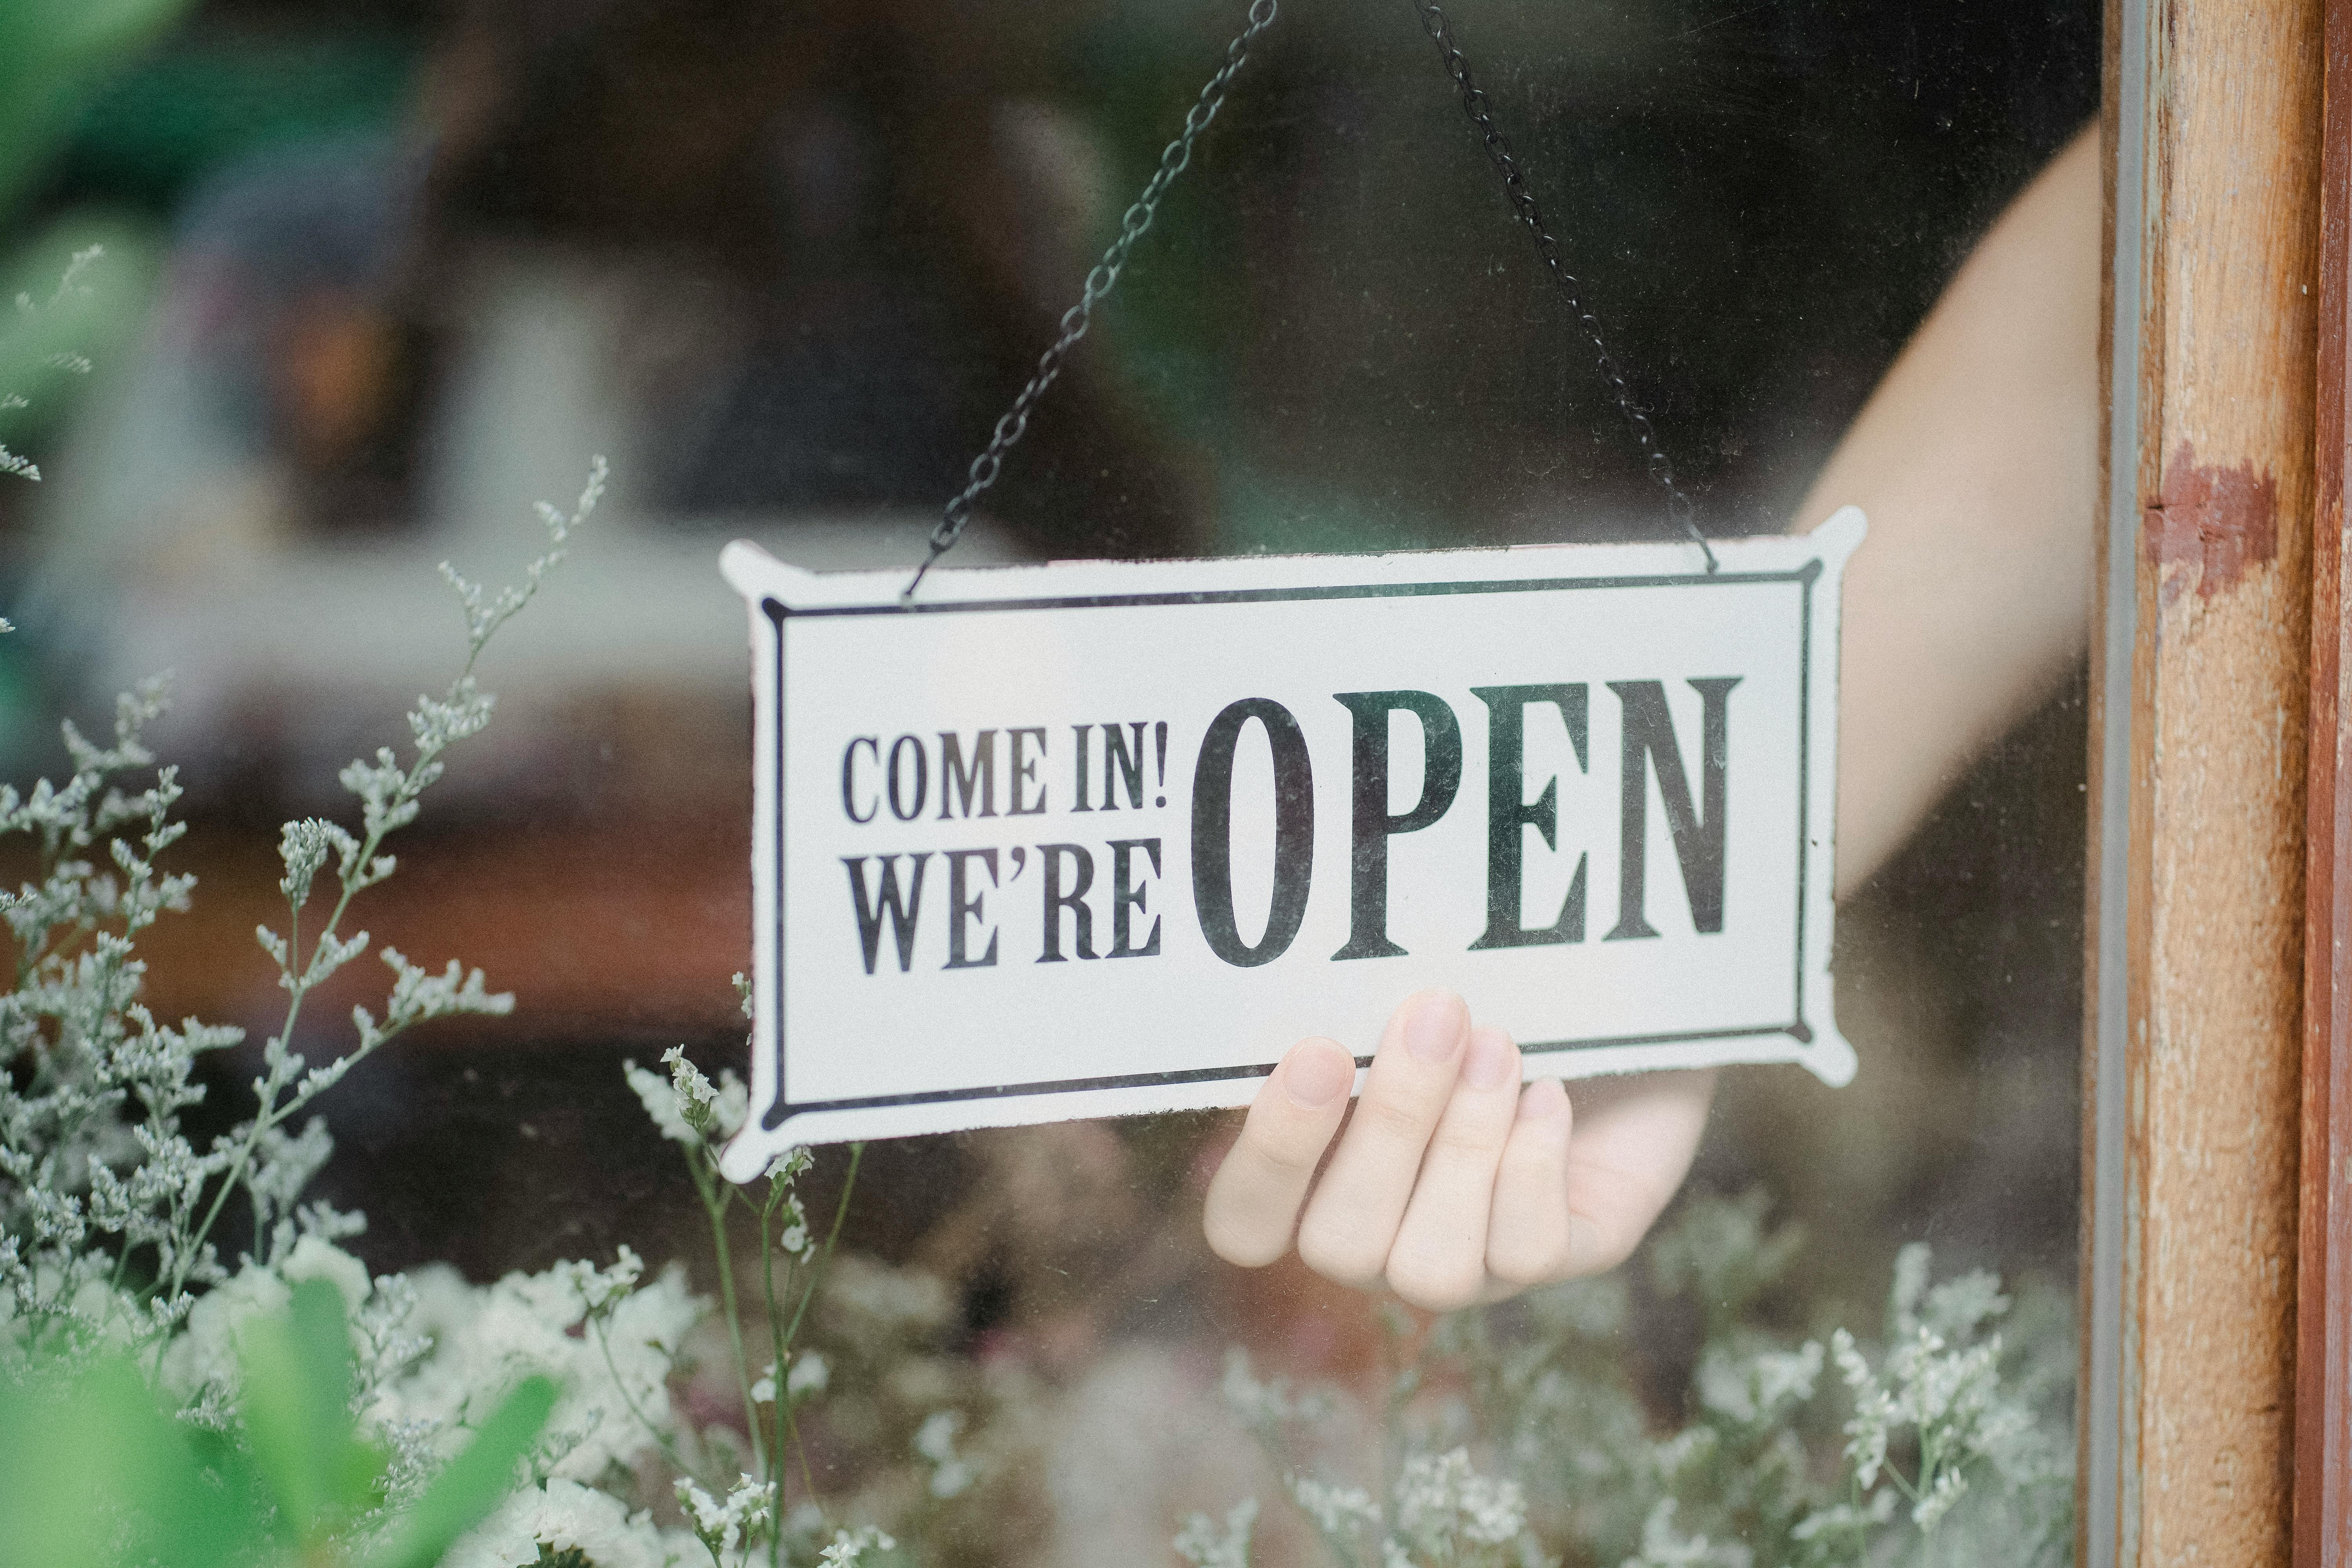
381, 275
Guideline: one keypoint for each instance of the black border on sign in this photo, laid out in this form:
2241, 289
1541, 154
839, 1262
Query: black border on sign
779, 613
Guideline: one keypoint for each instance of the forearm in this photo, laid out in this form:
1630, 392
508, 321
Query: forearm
1977, 462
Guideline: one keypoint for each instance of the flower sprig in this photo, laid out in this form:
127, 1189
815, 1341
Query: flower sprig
699, 1115
1514, 1433
390, 795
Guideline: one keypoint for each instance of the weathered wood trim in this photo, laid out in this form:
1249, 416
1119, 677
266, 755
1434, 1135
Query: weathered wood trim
2322, 1395
2197, 973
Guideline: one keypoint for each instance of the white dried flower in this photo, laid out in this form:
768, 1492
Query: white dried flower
1958, 1308
884, 1304
1686, 1451
730, 1105
565, 1516
661, 1103
722, 1525
1911, 1266
603, 1290
1846, 1518
697, 1099
1440, 1497
1335, 1510
935, 1441
613, 1365
808, 1377
850, 1548
1949, 1485
1266, 1404
1663, 1547
1203, 1545
793, 1234
1757, 1389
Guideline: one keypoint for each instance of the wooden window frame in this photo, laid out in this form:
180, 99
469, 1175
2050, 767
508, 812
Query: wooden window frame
2216, 1391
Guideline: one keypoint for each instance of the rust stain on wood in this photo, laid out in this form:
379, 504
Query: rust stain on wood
2222, 520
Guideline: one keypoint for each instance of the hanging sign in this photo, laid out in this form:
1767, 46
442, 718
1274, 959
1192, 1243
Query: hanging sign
1098, 839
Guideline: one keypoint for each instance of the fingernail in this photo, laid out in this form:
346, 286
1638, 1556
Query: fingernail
1489, 1064
1316, 1075
1433, 1030
1545, 1097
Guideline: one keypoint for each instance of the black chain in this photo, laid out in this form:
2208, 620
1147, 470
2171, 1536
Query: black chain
1173, 159
1523, 203
1100, 282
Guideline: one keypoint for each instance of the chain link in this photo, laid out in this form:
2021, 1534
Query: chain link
1173, 159
1099, 283
1523, 204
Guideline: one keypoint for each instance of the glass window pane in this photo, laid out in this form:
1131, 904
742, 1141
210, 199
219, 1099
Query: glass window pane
379, 275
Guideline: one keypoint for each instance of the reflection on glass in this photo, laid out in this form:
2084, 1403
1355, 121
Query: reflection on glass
379, 276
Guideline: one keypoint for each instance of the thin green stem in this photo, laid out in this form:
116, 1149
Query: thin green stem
1391, 1448
715, 1200
790, 1335
30, 953
776, 1380
840, 1212
271, 1116
351, 878
787, 1419
668, 1445
1270, 1443
808, 1475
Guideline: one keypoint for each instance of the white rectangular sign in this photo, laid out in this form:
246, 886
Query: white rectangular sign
1099, 838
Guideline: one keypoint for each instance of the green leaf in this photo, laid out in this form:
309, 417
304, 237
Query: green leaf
472, 1484
92, 1475
298, 1392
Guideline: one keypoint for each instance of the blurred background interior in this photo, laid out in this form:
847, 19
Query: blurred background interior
380, 273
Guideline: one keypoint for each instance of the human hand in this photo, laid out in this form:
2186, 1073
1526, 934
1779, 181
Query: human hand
1452, 1184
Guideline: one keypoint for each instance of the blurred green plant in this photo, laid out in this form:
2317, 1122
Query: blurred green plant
157, 1406
214, 96
56, 308
94, 1473
54, 54
70, 297
107, 1206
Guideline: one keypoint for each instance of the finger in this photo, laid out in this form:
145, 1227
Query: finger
1253, 1200
1634, 1144
1351, 1220
1439, 1262
1529, 1240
